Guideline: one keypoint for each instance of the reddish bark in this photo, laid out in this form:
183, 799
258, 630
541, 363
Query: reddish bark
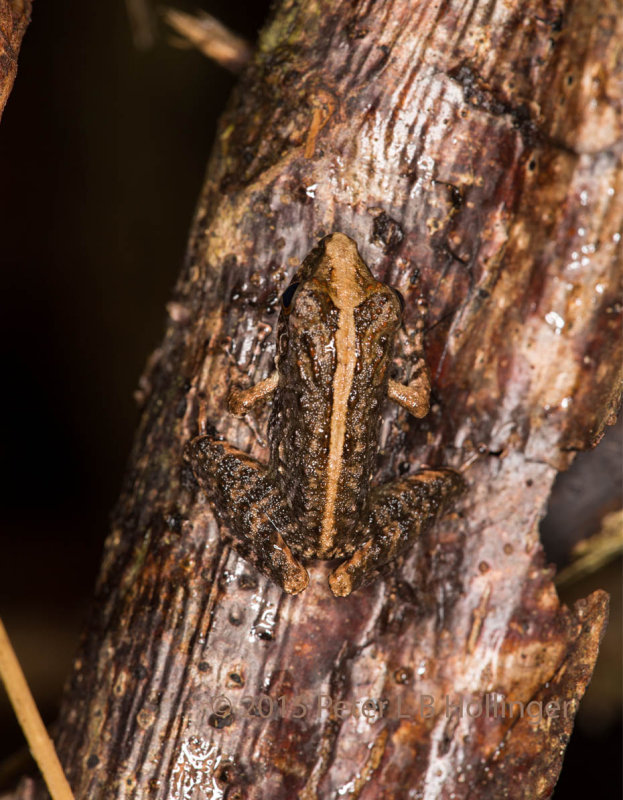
14, 19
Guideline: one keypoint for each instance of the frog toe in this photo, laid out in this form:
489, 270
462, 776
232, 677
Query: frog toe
296, 580
340, 582
350, 574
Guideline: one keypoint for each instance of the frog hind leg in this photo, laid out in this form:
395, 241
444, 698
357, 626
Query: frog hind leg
400, 511
247, 502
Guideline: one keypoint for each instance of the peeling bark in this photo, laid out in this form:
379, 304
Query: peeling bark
474, 153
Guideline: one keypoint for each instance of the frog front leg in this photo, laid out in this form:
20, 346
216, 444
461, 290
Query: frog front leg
241, 401
415, 395
400, 511
246, 500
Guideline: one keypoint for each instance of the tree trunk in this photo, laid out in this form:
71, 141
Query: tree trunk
474, 153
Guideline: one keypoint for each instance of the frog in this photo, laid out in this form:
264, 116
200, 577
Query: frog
315, 498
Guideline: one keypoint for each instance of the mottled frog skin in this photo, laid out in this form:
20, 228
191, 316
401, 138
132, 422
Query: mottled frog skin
314, 499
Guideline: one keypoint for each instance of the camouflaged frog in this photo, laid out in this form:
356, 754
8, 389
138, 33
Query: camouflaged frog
314, 498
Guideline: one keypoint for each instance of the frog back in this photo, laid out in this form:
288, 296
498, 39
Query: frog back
333, 365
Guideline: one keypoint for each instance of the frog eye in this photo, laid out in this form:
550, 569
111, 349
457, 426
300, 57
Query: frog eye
288, 296
401, 300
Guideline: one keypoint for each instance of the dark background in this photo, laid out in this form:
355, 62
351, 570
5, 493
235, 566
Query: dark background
102, 153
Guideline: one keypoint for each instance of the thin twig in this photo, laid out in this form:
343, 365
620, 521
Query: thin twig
28, 716
211, 37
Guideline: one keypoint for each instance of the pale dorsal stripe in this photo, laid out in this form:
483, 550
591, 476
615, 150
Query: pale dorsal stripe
346, 294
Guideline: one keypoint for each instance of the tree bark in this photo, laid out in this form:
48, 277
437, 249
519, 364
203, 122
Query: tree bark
14, 19
474, 153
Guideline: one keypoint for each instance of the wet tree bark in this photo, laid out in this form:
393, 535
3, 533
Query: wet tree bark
473, 151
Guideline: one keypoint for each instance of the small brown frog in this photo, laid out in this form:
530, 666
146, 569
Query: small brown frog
314, 500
